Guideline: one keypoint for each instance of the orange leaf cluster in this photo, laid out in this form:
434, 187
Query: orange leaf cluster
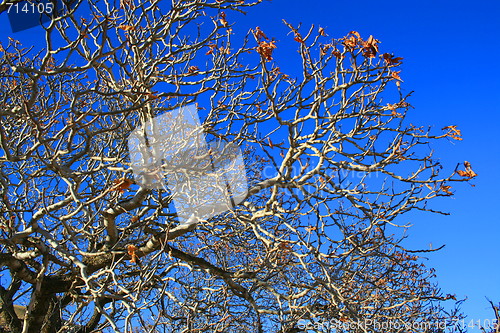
390, 60
131, 249
265, 49
352, 40
469, 173
453, 132
370, 47
122, 184
337, 54
324, 48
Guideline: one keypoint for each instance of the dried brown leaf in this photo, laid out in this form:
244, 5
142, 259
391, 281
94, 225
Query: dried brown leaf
391, 60
131, 250
446, 189
370, 47
395, 75
126, 27
453, 132
259, 34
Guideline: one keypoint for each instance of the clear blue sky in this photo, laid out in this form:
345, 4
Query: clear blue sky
451, 51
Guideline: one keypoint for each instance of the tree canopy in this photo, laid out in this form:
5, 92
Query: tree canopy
331, 160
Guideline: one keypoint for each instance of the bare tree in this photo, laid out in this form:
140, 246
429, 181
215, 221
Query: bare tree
331, 160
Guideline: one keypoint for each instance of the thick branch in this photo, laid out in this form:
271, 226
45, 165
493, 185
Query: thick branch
112, 212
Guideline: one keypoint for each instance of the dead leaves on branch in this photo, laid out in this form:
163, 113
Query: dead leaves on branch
121, 184
391, 60
265, 47
468, 173
125, 27
442, 188
394, 108
453, 132
446, 189
131, 250
337, 54
298, 38
352, 40
395, 76
259, 34
213, 48
369, 47
310, 229
222, 19
193, 69
335, 51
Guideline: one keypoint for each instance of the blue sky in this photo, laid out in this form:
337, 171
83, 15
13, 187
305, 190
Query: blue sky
450, 50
